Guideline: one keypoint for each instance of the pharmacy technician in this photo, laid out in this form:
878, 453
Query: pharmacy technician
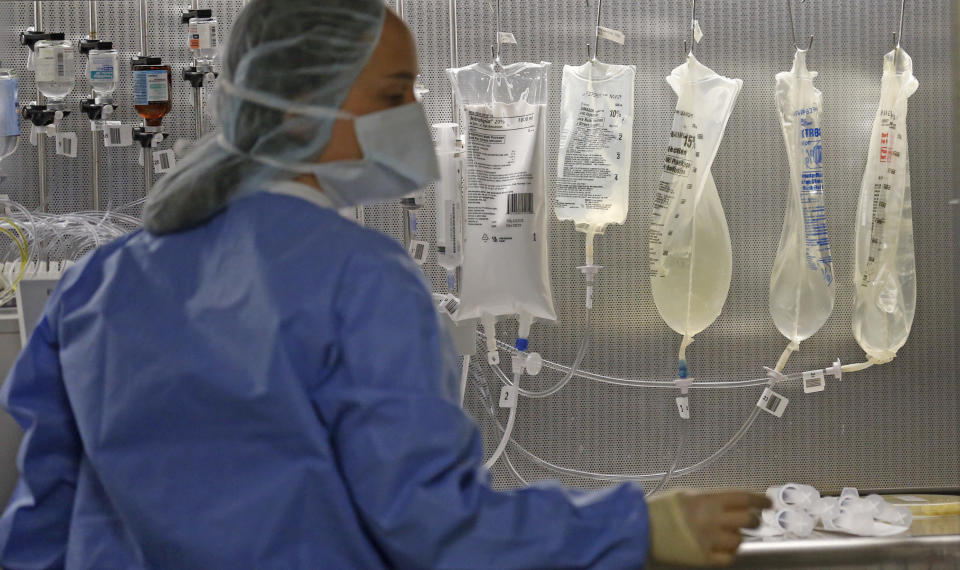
253, 381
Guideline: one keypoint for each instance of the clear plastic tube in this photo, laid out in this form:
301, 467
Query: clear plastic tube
681, 444
618, 477
668, 384
577, 361
511, 420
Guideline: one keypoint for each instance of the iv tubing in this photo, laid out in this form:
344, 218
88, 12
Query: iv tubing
684, 432
669, 384
508, 431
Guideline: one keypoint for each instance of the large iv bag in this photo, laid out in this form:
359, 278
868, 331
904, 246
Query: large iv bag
505, 261
885, 267
596, 141
801, 283
691, 260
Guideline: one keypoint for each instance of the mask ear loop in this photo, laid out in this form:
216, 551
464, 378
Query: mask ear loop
298, 168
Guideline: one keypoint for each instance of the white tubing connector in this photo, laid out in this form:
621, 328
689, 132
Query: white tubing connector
489, 323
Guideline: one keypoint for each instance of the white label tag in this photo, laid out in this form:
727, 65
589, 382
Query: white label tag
697, 32
814, 381
419, 251
683, 406
117, 134
164, 161
506, 38
450, 305
772, 403
67, 144
615, 36
508, 397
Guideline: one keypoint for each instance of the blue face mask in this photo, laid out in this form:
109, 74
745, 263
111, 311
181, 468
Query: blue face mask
398, 159
398, 154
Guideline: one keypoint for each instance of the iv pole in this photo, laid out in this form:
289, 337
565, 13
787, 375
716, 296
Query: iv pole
41, 140
148, 148
94, 143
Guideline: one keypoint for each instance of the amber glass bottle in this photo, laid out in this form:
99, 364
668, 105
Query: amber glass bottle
152, 90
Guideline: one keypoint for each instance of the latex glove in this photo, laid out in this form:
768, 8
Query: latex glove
701, 528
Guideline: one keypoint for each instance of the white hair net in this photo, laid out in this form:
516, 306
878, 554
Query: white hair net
304, 52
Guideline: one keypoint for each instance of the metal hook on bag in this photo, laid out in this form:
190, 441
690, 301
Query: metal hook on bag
793, 27
595, 54
693, 30
898, 35
495, 48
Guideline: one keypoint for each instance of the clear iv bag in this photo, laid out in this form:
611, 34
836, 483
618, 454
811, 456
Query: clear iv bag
691, 260
596, 143
505, 260
801, 283
885, 267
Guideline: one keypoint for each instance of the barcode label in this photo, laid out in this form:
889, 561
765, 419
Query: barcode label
117, 134
615, 36
772, 403
66, 144
520, 203
418, 251
451, 305
814, 381
164, 161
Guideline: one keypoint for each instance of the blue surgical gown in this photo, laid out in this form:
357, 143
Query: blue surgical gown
271, 389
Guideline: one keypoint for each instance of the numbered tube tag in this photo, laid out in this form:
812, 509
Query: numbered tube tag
683, 407
67, 144
117, 134
506, 38
164, 161
814, 381
772, 403
508, 397
615, 36
418, 251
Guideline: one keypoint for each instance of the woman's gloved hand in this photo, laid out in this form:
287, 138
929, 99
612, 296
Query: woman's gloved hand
701, 528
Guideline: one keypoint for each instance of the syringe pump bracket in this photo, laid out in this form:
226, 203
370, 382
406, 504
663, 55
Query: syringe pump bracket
145, 60
91, 109
40, 115
188, 15
196, 76
87, 44
30, 38
144, 136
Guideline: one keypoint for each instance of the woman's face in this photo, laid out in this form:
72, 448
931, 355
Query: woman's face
387, 81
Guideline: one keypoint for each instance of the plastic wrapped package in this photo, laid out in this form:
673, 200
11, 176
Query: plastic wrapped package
691, 260
596, 144
801, 283
885, 266
505, 261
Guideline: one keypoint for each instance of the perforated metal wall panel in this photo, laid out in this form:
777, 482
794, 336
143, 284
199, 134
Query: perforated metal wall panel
895, 426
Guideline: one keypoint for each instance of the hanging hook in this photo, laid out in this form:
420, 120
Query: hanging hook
495, 48
898, 35
793, 27
596, 35
693, 30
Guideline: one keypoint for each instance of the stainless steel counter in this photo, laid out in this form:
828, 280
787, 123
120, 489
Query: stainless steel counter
932, 542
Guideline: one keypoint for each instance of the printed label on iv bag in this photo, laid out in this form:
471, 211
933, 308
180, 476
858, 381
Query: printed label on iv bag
150, 86
53, 64
505, 257
596, 142
889, 158
203, 35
